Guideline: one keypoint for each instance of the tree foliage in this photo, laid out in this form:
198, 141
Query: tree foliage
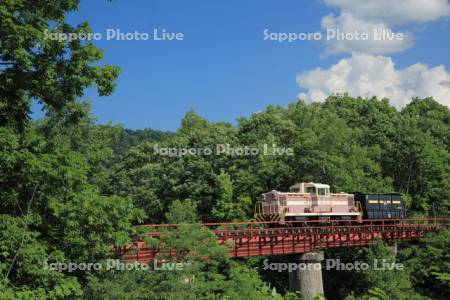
34, 66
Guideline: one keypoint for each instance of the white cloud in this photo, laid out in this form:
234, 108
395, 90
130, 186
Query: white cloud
394, 12
348, 33
367, 75
365, 16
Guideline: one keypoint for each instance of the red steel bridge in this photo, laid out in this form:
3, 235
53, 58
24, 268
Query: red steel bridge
244, 239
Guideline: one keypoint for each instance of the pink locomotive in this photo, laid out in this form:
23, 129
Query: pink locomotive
307, 201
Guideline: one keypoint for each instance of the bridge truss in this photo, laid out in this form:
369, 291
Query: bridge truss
245, 239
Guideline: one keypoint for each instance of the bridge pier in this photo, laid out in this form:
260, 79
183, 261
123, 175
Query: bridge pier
393, 249
308, 279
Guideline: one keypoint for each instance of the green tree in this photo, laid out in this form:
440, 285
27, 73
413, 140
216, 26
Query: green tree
182, 212
429, 262
45, 190
33, 66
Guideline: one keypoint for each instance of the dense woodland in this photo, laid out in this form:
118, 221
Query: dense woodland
70, 188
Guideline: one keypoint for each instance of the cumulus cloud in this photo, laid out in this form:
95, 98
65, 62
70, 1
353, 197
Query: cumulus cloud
368, 75
370, 16
348, 33
394, 12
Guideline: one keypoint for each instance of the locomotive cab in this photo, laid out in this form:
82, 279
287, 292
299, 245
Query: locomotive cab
311, 188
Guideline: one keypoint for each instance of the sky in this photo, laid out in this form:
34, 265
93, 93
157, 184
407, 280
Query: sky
232, 61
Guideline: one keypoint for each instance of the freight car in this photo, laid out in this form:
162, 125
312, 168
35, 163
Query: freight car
381, 206
313, 201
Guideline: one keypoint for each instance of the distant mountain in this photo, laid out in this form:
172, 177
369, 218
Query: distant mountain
129, 138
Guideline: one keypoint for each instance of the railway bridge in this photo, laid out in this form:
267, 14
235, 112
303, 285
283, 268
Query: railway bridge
306, 238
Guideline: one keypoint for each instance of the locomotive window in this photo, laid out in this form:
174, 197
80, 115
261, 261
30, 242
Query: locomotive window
322, 192
311, 190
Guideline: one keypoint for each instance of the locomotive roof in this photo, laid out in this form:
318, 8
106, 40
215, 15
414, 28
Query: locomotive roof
318, 185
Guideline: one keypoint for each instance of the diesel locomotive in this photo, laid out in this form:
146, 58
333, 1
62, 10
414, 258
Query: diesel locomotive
307, 201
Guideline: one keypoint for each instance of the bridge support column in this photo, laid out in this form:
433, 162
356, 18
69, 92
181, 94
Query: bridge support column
393, 249
308, 278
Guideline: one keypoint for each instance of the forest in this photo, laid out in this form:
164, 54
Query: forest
71, 188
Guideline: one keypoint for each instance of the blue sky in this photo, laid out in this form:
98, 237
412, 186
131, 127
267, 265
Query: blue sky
223, 68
